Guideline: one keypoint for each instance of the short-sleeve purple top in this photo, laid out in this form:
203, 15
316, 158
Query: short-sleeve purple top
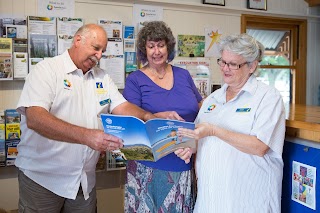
183, 98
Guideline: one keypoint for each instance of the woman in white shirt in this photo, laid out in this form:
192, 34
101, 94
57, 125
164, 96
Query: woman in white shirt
240, 131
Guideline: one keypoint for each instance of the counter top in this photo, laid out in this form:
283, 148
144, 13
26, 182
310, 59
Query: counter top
303, 122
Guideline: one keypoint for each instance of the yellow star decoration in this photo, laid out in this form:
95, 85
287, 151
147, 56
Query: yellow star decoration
215, 36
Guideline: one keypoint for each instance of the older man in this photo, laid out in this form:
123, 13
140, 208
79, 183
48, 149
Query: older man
60, 140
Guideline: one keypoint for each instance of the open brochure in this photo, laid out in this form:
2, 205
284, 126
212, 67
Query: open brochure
149, 140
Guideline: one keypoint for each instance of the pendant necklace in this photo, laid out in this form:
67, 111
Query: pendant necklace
157, 74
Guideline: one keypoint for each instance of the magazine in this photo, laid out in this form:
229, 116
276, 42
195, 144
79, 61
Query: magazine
150, 140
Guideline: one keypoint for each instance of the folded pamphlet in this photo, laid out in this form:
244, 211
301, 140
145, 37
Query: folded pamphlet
150, 140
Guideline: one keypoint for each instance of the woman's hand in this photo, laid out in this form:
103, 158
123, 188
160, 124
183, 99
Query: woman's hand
185, 154
202, 130
169, 115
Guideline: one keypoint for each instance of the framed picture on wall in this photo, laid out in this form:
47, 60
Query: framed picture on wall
257, 4
214, 2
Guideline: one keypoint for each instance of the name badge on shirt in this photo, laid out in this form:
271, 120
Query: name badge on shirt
243, 110
104, 102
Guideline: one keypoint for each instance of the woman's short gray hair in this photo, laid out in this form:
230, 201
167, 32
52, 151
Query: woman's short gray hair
244, 45
155, 31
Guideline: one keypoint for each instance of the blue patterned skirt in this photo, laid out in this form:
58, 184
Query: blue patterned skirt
157, 191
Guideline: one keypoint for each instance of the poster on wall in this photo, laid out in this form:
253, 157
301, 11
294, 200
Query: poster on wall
142, 13
115, 47
68, 26
42, 25
56, 8
112, 27
64, 43
114, 31
199, 69
212, 38
42, 46
304, 184
42, 39
114, 65
191, 45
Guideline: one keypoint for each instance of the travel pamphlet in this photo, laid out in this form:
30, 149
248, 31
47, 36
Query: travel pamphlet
150, 140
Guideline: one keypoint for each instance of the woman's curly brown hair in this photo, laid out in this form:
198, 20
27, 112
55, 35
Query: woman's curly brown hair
155, 31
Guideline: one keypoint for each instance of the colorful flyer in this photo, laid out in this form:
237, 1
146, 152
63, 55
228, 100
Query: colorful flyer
304, 184
199, 69
191, 45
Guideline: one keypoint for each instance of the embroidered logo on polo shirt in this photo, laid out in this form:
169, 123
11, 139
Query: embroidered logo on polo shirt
99, 88
99, 85
67, 84
210, 108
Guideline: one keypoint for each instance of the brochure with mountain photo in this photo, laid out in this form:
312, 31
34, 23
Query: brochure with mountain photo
150, 140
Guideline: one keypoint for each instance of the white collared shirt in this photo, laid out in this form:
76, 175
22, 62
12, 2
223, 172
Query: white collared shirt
63, 90
233, 181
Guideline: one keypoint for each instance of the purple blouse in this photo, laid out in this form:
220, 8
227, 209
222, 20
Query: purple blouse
183, 98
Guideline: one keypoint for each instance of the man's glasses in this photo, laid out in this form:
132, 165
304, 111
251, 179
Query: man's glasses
231, 66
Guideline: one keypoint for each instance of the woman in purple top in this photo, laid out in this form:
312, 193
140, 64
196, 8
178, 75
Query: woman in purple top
165, 90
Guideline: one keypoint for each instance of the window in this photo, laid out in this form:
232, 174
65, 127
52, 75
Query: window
284, 63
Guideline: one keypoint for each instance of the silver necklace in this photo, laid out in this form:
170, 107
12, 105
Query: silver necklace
157, 74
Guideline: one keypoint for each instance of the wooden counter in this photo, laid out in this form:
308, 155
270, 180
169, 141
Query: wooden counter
303, 122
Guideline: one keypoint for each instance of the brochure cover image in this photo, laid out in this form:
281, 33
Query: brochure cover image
12, 124
149, 140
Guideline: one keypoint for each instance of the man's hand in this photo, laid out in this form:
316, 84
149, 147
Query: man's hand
100, 141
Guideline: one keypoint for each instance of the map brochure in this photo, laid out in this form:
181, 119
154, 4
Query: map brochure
150, 140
